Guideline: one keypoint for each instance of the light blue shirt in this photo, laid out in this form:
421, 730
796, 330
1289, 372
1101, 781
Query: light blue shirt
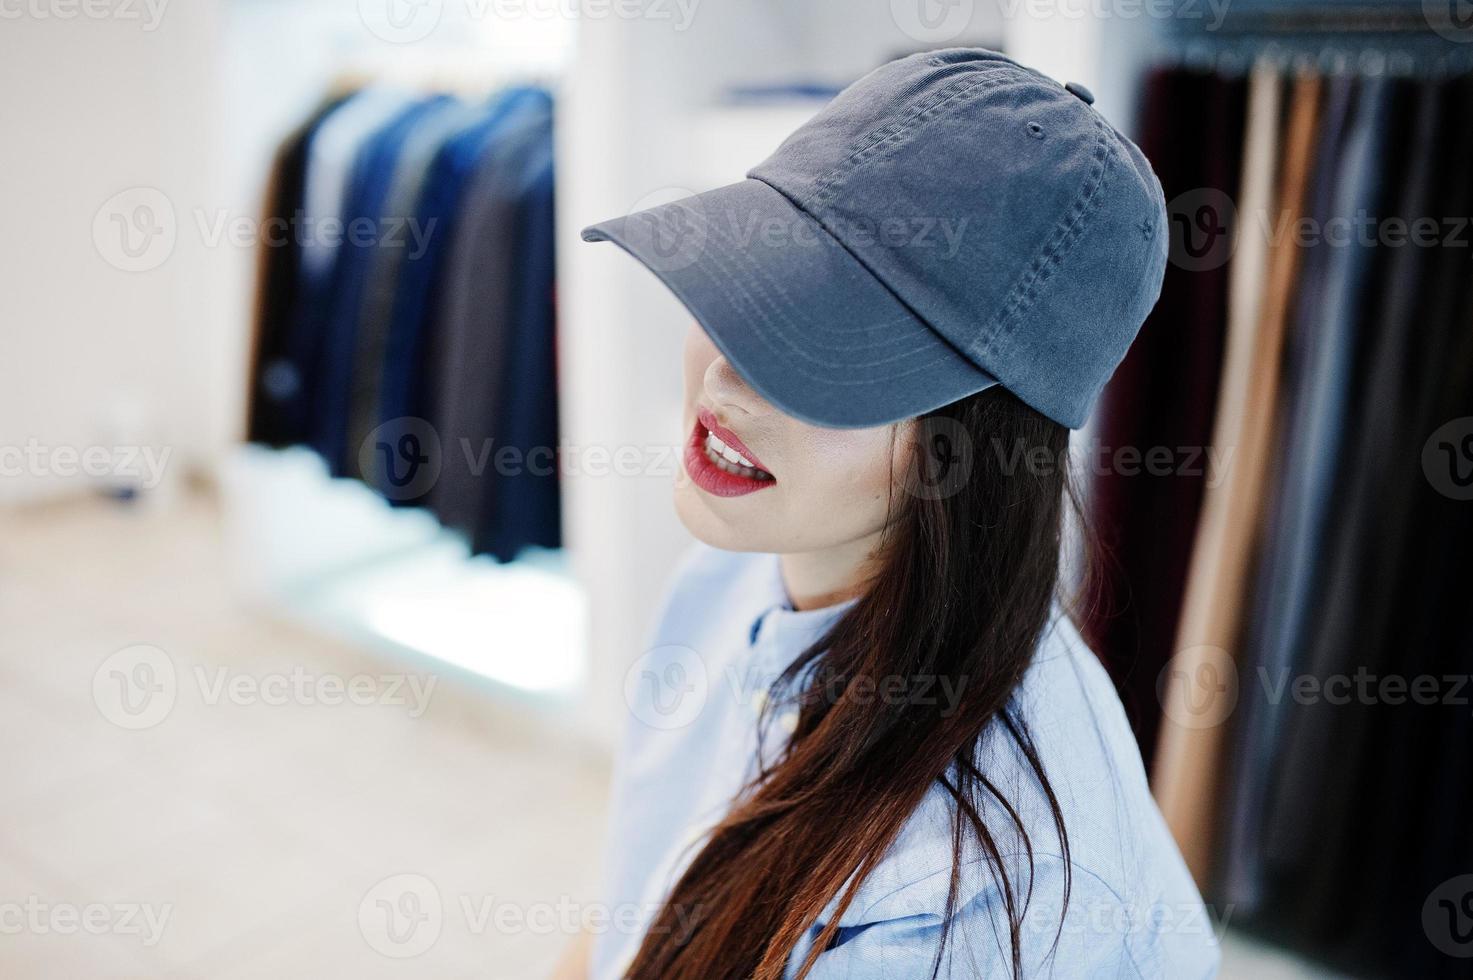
726, 632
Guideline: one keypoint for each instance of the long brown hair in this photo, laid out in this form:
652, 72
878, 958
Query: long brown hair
961, 589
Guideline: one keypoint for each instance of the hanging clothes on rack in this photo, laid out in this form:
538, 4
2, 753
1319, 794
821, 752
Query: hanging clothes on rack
523, 507
1321, 357
274, 415
470, 344
1230, 530
1406, 623
417, 293
1163, 395
1186, 760
426, 329
1322, 800
368, 225
1273, 654
376, 307
323, 221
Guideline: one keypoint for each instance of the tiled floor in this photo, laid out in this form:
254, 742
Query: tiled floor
201, 830
252, 820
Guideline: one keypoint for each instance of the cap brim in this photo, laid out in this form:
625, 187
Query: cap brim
798, 316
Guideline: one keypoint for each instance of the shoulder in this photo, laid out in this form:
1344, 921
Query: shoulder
1131, 907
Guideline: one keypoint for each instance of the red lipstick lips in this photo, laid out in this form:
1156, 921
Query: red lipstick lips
709, 460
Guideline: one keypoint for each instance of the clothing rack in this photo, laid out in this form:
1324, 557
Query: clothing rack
1396, 40
390, 360
1298, 19
1319, 555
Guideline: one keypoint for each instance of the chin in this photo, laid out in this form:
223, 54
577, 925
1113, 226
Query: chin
728, 524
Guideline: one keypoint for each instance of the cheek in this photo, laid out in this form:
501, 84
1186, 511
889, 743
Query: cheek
849, 465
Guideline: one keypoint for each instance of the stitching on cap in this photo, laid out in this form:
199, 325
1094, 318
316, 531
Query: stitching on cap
783, 300
756, 302
788, 355
780, 308
1069, 230
892, 135
845, 338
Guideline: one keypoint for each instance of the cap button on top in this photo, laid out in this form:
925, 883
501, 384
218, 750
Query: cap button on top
1081, 92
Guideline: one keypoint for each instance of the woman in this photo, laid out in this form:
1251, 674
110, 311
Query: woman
867, 741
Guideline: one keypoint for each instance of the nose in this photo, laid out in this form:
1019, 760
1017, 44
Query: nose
728, 391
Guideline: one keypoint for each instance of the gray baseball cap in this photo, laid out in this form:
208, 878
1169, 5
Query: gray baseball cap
950, 221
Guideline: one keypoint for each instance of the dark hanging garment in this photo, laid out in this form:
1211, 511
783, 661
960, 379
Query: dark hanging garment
523, 507
468, 360
1350, 811
366, 229
376, 305
1165, 391
1425, 748
275, 384
316, 243
1356, 504
1435, 780
1258, 717
406, 383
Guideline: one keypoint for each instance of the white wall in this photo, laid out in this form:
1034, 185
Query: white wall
90, 353
1102, 46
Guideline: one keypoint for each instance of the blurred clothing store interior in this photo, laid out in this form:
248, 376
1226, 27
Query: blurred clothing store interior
335, 473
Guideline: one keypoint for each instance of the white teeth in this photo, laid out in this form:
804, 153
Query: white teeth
731, 455
731, 461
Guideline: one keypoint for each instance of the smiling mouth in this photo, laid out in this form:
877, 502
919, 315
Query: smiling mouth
718, 462
729, 460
